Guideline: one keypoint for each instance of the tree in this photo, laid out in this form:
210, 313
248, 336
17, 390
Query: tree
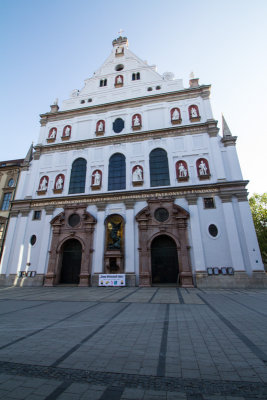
258, 205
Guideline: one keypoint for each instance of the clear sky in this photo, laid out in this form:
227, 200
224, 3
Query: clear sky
48, 48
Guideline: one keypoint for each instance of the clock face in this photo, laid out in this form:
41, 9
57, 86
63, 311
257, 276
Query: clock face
118, 125
11, 182
161, 214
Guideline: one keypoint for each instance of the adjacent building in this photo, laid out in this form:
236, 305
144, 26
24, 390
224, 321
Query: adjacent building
131, 175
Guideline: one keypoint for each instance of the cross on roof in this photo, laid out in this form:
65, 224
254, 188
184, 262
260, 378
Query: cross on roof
120, 32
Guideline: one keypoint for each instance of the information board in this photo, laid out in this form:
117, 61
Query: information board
111, 280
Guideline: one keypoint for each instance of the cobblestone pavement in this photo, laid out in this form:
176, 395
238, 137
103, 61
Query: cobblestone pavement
133, 343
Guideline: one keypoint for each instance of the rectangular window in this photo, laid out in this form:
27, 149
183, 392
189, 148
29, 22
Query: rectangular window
209, 202
6, 201
37, 215
2, 227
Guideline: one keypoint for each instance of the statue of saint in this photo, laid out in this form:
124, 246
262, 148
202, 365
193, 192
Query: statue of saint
138, 174
119, 50
100, 127
136, 121
182, 171
175, 114
203, 170
53, 133
59, 183
43, 184
114, 235
194, 112
119, 79
67, 131
97, 179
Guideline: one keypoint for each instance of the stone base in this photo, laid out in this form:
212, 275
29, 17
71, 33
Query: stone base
13, 280
145, 279
240, 279
65, 137
186, 279
130, 279
176, 121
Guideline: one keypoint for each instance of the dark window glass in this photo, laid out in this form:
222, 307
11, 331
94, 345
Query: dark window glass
101, 83
74, 220
89, 100
78, 175
161, 214
105, 82
159, 169
133, 77
213, 230
37, 214
138, 75
117, 172
6, 201
149, 89
158, 87
82, 101
209, 202
11, 182
2, 227
118, 125
33, 240
119, 67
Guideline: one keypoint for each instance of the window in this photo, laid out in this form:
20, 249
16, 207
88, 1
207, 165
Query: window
136, 76
209, 202
118, 125
6, 201
159, 168
82, 101
103, 82
78, 176
11, 182
149, 89
33, 240
117, 172
37, 215
2, 228
119, 67
158, 87
213, 230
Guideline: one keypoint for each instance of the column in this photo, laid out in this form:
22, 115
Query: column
232, 233
129, 237
44, 251
197, 247
99, 243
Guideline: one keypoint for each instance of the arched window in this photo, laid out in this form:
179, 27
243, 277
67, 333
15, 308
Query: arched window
78, 176
159, 168
117, 172
133, 77
138, 75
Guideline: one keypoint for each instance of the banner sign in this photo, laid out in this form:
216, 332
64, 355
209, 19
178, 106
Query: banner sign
111, 280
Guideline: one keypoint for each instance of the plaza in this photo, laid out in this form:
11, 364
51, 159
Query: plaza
68, 342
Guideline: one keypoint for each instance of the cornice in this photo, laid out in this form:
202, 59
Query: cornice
133, 196
203, 91
209, 126
229, 141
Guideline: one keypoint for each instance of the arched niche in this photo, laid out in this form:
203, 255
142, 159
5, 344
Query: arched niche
73, 223
136, 122
59, 183
176, 116
43, 185
118, 81
163, 217
193, 112
114, 244
182, 173
66, 134
203, 169
100, 127
52, 134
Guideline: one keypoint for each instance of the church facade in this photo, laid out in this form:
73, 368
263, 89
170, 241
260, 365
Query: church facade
131, 176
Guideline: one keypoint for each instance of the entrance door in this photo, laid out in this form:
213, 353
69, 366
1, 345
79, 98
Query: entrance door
164, 260
71, 261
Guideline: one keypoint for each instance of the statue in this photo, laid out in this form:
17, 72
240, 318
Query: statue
203, 170
114, 235
119, 50
59, 182
43, 184
55, 102
182, 171
119, 79
97, 179
53, 133
194, 112
138, 174
67, 131
136, 121
175, 114
100, 127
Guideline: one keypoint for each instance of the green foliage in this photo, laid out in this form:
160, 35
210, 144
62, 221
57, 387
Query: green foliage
258, 205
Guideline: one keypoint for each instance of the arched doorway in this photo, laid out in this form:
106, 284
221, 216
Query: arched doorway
71, 261
164, 260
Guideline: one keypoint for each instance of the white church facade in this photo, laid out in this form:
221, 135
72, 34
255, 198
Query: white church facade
131, 176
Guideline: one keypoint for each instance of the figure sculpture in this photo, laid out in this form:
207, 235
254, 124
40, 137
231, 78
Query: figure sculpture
67, 131
53, 133
114, 235
203, 170
136, 121
59, 183
43, 184
194, 112
97, 179
182, 171
175, 114
100, 127
119, 79
138, 174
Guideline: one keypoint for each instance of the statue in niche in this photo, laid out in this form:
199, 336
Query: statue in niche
119, 79
53, 133
100, 127
175, 115
43, 184
136, 121
182, 171
67, 131
137, 174
193, 112
203, 170
59, 183
119, 50
114, 231
97, 178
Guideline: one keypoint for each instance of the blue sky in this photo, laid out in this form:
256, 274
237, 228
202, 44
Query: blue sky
48, 48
